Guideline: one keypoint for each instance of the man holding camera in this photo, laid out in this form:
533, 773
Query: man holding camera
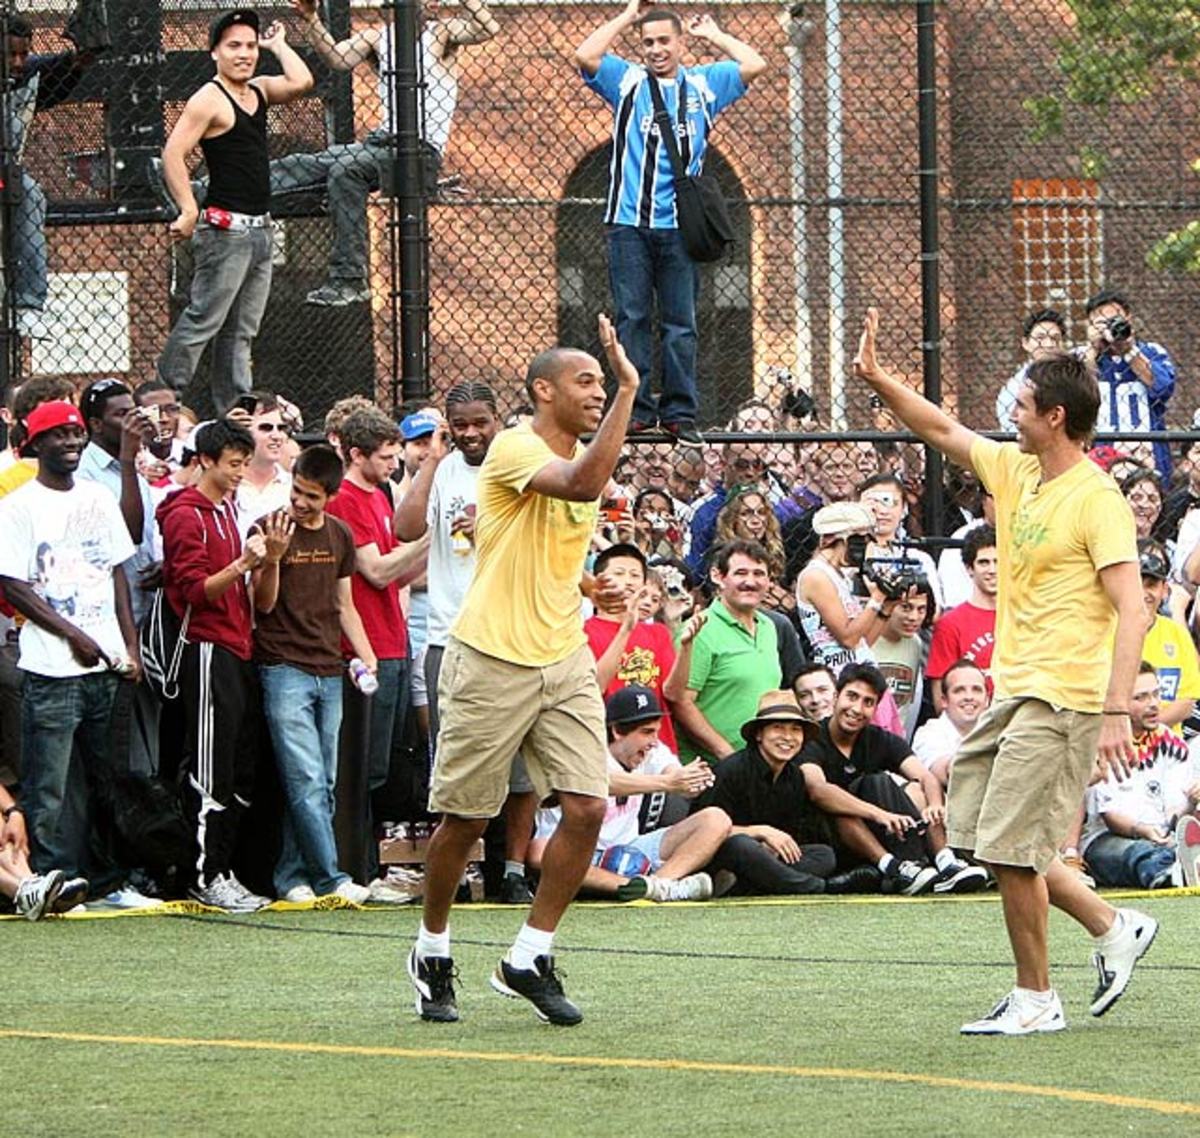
1136, 377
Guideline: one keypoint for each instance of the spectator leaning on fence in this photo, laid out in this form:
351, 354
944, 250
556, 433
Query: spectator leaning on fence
647, 262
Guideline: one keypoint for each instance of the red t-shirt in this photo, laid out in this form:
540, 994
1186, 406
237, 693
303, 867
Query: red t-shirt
368, 513
965, 631
647, 660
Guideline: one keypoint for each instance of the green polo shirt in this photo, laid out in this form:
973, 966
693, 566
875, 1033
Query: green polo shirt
730, 670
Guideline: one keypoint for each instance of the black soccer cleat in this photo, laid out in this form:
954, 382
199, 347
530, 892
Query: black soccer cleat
433, 980
541, 986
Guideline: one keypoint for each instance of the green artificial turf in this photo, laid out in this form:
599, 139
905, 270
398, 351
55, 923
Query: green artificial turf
824, 994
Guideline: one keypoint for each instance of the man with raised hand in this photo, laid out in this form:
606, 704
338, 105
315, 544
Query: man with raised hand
519, 673
1062, 678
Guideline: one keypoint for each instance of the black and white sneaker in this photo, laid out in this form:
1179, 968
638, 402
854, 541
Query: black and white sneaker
36, 894
74, 892
514, 890
908, 877
1115, 962
961, 877
433, 980
541, 986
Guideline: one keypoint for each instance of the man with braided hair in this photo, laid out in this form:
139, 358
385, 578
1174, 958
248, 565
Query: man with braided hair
441, 498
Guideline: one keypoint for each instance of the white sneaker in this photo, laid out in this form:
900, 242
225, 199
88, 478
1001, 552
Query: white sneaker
1018, 1014
1187, 849
384, 892
353, 892
696, 887
1114, 962
299, 894
123, 900
38, 893
228, 893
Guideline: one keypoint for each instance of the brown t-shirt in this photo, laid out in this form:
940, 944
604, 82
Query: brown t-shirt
303, 629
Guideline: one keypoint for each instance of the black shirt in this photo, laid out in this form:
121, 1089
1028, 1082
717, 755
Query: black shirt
874, 750
748, 792
238, 163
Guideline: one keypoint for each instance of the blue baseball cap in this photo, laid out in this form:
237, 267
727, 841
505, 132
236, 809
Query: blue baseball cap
418, 425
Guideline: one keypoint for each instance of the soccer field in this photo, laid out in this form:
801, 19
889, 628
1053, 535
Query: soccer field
805, 1018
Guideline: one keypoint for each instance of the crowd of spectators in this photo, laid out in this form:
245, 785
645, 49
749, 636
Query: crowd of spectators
789, 661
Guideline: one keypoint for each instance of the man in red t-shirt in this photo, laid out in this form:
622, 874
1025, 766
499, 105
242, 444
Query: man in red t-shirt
382, 566
968, 631
628, 649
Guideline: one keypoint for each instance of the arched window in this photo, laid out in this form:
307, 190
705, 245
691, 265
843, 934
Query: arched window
723, 316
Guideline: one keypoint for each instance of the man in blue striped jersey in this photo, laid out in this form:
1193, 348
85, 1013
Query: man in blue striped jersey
646, 256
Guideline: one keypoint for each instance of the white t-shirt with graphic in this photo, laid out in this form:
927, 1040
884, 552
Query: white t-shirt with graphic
451, 561
66, 543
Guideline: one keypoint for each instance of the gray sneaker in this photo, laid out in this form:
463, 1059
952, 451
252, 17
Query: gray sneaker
336, 294
226, 892
37, 894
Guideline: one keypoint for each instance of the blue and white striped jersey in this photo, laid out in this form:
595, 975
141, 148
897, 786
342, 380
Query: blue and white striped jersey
641, 187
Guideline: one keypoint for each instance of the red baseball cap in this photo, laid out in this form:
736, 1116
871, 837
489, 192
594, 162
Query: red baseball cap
46, 416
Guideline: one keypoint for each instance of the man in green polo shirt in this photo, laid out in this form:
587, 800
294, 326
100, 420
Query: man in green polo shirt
730, 661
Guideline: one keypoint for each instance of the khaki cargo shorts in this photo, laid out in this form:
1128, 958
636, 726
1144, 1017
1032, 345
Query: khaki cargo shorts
1018, 780
490, 709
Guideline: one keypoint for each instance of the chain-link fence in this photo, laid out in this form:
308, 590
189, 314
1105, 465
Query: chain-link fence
1050, 186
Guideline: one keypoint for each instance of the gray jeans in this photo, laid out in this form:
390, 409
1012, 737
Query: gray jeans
230, 286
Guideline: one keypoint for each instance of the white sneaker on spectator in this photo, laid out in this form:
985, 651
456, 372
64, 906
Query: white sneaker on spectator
384, 892
1019, 1014
696, 887
353, 892
226, 892
1114, 961
298, 894
122, 900
1187, 849
37, 893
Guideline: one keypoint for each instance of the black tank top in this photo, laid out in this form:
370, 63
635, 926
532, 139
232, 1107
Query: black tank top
238, 170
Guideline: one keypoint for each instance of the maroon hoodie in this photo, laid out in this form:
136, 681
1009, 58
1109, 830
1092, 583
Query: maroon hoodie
201, 538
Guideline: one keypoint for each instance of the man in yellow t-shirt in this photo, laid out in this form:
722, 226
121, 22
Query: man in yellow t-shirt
517, 672
1069, 628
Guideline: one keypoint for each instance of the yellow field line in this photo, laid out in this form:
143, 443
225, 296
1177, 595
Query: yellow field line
1066, 1094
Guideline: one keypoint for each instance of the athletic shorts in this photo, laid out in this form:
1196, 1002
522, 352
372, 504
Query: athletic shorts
491, 708
418, 693
1019, 780
649, 845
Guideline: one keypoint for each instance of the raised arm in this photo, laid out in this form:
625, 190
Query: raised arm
412, 511
914, 411
478, 25
750, 64
583, 479
337, 55
589, 53
296, 79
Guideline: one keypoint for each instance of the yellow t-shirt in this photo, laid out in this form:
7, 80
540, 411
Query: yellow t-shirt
523, 604
1054, 623
1170, 649
14, 477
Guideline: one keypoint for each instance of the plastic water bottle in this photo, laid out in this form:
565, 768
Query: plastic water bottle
362, 677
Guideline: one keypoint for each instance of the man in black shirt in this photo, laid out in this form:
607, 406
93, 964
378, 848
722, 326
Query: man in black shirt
880, 795
761, 788
227, 119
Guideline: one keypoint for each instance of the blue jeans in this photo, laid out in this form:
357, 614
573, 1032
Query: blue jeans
643, 264
29, 250
230, 286
304, 714
57, 715
1131, 862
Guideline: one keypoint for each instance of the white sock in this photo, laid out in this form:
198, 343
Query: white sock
1035, 997
529, 945
432, 944
885, 863
944, 858
1118, 927
514, 869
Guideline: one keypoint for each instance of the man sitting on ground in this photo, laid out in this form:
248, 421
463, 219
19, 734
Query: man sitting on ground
666, 860
965, 697
880, 795
774, 846
1130, 836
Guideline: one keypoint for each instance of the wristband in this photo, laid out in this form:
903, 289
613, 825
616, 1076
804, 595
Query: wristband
10, 811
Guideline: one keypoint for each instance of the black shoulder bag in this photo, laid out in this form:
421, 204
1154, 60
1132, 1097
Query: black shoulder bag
704, 221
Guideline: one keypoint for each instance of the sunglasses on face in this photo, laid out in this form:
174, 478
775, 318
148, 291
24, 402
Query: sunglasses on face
268, 428
747, 464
